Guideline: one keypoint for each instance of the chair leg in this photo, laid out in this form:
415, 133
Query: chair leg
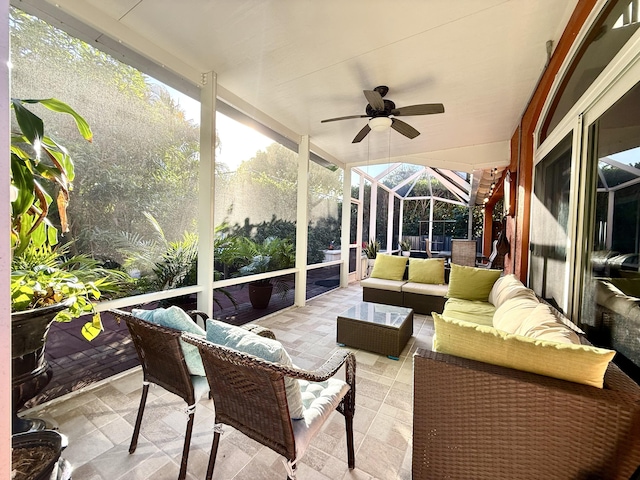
212, 455
187, 445
351, 460
136, 430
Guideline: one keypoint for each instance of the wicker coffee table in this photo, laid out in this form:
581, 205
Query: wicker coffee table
383, 329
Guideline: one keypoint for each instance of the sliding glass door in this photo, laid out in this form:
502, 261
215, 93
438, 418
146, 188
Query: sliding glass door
611, 287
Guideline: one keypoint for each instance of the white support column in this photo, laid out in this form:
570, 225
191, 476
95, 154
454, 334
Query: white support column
302, 230
390, 208
373, 211
206, 195
611, 200
400, 232
430, 221
470, 226
360, 228
344, 228
5, 253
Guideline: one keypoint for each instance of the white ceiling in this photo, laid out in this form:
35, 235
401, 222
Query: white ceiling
301, 61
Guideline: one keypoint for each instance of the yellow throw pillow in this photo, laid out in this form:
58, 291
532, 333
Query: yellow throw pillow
575, 363
470, 283
389, 267
426, 270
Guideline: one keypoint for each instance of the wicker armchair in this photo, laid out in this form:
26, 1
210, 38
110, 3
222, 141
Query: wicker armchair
463, 252
249, 395
163, 364
481, 421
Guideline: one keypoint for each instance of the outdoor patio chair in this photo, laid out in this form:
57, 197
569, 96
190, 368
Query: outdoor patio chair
163, 363
492, 258
463, 252
249, 395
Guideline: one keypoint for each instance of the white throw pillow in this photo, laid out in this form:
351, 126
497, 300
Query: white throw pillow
512, 312
506, 288
542, 324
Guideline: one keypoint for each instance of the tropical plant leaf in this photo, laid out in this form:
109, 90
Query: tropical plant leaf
92, 329
58, 106
31, 125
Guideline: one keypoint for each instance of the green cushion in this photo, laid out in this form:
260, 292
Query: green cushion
576, 363
426, 270
469, 310
176, 318
245, 341
389, 267
471, 283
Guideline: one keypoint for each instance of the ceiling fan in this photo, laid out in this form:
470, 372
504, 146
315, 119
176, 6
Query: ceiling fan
382, 114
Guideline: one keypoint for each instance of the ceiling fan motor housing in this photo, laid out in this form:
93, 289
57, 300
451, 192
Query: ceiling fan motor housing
388, 107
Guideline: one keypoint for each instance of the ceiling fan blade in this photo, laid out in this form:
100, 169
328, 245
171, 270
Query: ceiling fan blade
375, 99
423, 109
404, 128
362, 133
343, 118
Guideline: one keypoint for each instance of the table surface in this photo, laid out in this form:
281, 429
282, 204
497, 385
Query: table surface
376, 313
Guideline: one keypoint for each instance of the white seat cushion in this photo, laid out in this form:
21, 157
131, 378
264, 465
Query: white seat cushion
426, 289
320, 400
383, 284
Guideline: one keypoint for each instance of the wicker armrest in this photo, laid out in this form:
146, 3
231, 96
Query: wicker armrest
476, 420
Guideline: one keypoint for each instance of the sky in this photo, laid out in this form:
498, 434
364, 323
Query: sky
238, 142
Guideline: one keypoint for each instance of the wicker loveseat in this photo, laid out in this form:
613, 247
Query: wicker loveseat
489, 404
419, 284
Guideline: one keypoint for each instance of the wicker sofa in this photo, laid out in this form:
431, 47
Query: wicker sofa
419, 284
473, 418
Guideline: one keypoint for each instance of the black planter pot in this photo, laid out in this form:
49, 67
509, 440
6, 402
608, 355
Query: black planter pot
260, 295
55, 468
30, 371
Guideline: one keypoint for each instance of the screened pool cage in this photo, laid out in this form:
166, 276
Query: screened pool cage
422, 206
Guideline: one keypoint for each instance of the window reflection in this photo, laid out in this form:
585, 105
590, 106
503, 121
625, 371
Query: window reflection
611, 305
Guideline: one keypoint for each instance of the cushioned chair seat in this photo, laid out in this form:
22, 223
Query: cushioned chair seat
425, 288
383, 284
469, 310
320, 400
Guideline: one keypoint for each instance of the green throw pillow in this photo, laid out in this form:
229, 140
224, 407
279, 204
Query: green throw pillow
245, 341
576, 363
471, 283
426, 270
389, 267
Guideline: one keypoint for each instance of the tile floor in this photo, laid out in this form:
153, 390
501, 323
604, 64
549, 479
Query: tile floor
99, 421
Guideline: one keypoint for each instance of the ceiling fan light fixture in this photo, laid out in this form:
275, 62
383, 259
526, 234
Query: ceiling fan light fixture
379, 124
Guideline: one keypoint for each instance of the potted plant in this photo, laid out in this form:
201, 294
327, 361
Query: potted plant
405, 247
371, 250
45, 285
270, 255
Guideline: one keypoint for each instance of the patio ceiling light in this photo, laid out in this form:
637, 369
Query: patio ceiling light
380, 124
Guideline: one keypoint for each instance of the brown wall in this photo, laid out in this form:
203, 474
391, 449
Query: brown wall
522, 145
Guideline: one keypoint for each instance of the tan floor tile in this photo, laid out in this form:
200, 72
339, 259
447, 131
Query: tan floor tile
99, 422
